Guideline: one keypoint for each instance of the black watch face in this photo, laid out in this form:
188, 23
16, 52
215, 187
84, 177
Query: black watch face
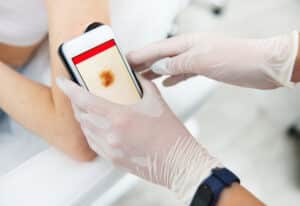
203, 197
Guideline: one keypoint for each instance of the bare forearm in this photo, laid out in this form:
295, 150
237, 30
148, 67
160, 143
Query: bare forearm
17, 56
31, 104
68, 19
236, 195
46, 111
25, 100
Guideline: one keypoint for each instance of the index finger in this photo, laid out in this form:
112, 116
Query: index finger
143, 58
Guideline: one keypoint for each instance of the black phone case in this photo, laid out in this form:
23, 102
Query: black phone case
73, 77
63, 58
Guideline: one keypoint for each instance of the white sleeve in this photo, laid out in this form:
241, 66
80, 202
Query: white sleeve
22, 22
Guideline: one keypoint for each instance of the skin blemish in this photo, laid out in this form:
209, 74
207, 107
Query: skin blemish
107, 78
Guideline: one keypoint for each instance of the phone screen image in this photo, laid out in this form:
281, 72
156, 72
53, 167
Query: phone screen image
105, 74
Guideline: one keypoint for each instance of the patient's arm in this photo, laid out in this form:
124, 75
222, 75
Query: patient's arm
16, 56
46, 111
31, 104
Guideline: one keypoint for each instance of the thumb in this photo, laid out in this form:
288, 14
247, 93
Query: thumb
152, 103
173, 80
177, 65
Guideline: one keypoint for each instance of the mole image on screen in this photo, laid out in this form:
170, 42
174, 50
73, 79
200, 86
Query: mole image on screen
106, 75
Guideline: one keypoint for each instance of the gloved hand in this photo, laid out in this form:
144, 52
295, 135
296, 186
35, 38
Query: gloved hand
146, 138
254, 63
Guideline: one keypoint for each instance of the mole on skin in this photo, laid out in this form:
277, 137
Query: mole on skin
107, 78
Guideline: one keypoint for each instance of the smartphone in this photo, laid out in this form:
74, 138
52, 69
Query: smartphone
95, 62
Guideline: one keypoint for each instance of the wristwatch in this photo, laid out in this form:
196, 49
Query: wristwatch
210, 190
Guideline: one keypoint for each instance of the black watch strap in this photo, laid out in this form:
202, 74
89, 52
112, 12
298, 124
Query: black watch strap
209, 191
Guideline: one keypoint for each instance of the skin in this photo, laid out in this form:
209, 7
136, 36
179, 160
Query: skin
237, 195
41, 109
16, 56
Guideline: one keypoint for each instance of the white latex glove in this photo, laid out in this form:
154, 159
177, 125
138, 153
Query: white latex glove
254, 63
146, 138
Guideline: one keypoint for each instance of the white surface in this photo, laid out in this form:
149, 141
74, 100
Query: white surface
117, 191
186, 97
50, 178
46, 176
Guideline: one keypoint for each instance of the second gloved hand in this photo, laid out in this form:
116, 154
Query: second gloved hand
255, 63
146, 139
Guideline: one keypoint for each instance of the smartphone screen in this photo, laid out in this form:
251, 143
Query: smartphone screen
105, 73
